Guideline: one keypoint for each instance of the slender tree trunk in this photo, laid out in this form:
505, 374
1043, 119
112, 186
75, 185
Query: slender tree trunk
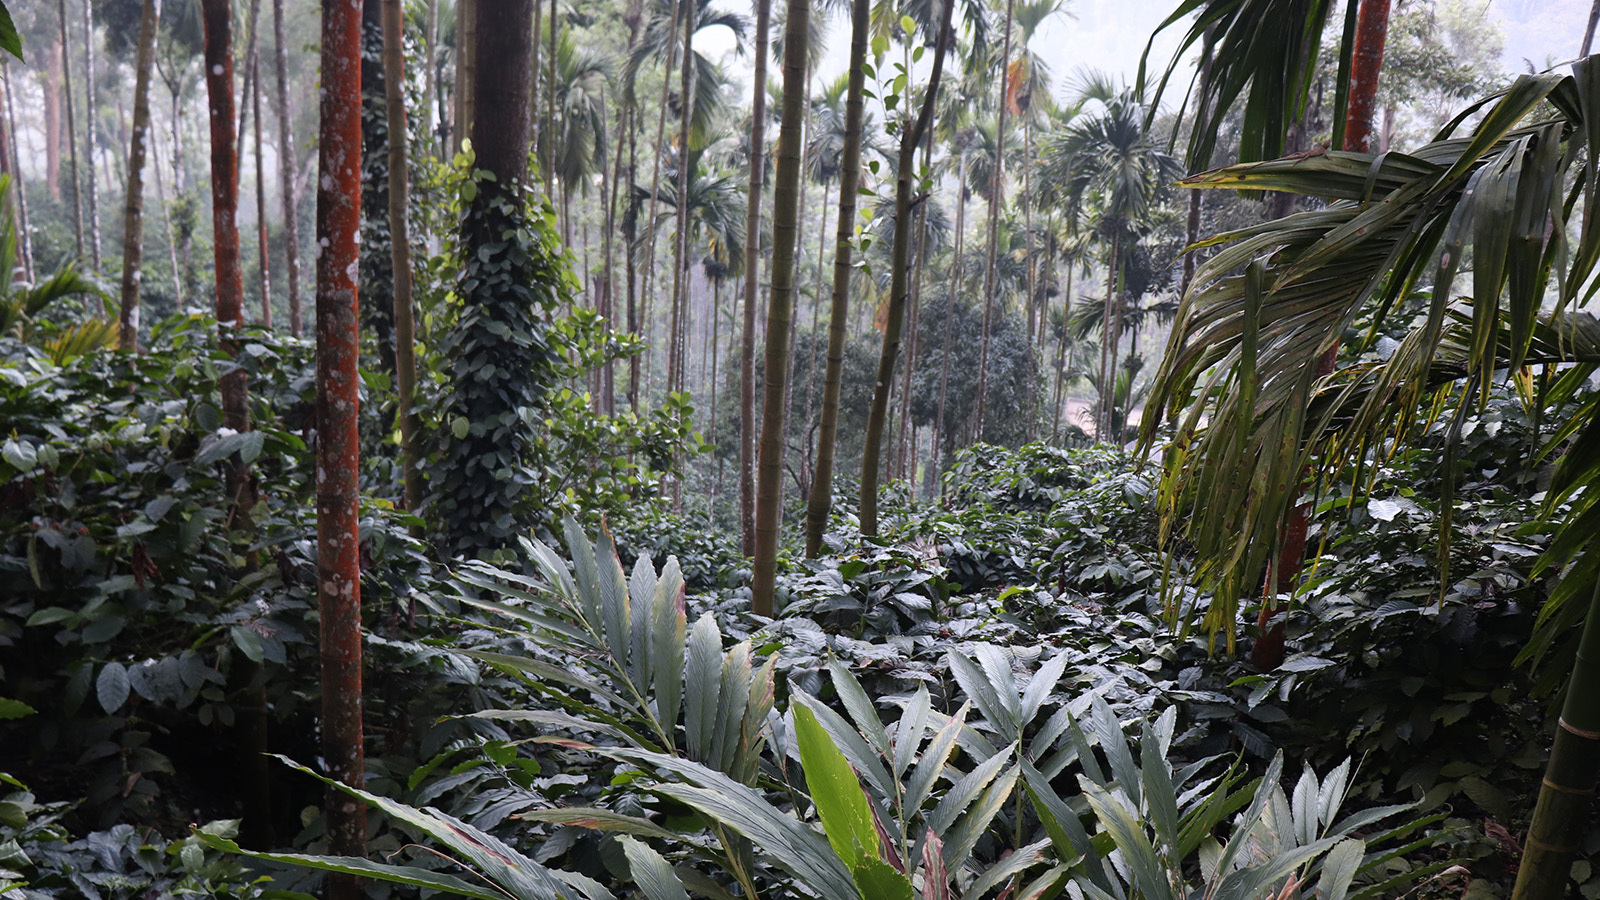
608, 377
394, 77
680, 254
550, 106
996, 201
820, 503
711, 430
166, 221
24, 237
1061, 354
72, 128
872, 452
1108, 343
264, 280
50, 84
785, 237
1033, 293
430, 56
1566, 795
537, 83
286, 158
338, 440
655, 179
631, 236
906, 466
88, 130
752, 278
949, 317
224, 212
133, 209
807, 464
467, 64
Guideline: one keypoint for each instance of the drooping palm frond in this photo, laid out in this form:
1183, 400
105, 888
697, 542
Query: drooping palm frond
1265, 50
577, 144
1239, 380
710, 103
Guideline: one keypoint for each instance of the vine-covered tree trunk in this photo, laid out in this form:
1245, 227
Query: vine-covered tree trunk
997, 200
820, 503
780, 306
133, 208
899, 288
752, 272
512, 277
400, 248
338, 440
88, 133
286, 158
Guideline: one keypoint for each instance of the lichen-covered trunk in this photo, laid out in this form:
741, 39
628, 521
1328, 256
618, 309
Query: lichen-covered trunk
899, 287
338, 443
286, 157
997, 199
133, 207
752, 272
780, 307
820, 503
405, 356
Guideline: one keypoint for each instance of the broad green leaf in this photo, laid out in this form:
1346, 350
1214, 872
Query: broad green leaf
837, 794
877, 880
702, 687
651, 871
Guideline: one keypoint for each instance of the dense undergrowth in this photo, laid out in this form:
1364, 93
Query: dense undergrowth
152, 654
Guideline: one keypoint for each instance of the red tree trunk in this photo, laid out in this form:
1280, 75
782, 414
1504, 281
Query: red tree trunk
1372, 29
338, 348
225, 201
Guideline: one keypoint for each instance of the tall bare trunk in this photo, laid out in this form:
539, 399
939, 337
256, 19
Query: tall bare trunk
678, 10
949, 316
253, 60
72, 128
466, 66
88, 131
904, 465
133, 208
50, 83
338, 439
286, 159
166, 221
430, 58
24, 237
996, 201
820, 503
680, 254
394, 75
550, 107
752, 278
780, 306
872, 452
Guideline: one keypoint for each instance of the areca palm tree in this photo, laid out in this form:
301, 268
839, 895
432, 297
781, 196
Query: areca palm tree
1106, 164
576, 142
1511, 191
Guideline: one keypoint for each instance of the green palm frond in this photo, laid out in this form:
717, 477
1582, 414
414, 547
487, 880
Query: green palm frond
1265, 50
1239, 380
80, 339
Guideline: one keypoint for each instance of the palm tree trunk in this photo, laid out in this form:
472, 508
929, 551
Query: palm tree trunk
949, 316
467, 65
1036, 341
608, 191
811, 366
655, 178
88, 129
133, 209
166, 221
711, 430
1061, 353
550, 101
820, 503
1567, 792
905, 465
996, 201
430, 56
72, 128
872, 451
785, 237
1108, 347
752, 272
338, 441
50, 83
405, 357
286, 157
265, 282
680, 253
24, 238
